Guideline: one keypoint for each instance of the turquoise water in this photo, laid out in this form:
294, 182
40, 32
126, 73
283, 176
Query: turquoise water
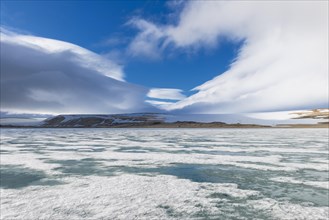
164, 173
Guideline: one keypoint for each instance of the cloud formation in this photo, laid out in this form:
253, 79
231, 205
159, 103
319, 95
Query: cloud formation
282, 65
147, 42
40, 75
161, 93
162, 98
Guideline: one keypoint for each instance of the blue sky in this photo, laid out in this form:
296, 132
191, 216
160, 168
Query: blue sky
131, 56
101, 26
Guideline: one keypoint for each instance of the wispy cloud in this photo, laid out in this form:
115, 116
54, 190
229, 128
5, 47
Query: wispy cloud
283, 63
162, 105
163, 98
166, 93
40, 75
147, 43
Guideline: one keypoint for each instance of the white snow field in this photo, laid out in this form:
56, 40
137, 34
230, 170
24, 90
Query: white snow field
164, 174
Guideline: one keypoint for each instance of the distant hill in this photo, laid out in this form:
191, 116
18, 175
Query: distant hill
312, 118
146, 120
103, 121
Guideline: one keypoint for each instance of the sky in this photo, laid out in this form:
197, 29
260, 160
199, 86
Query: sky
179, 56
102, 27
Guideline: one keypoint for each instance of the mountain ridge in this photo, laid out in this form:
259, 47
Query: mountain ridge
163, 120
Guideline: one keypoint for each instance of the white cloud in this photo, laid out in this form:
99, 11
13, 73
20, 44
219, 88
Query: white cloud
40, 75
146, 43
163, 105
163, 95
83, 57
282, 65
166, 93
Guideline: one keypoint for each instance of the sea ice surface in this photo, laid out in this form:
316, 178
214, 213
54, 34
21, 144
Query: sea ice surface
164, 174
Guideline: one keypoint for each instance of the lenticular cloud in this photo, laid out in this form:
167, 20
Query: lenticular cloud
40, 75
282, 65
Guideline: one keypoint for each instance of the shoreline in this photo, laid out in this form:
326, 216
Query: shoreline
181, 125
